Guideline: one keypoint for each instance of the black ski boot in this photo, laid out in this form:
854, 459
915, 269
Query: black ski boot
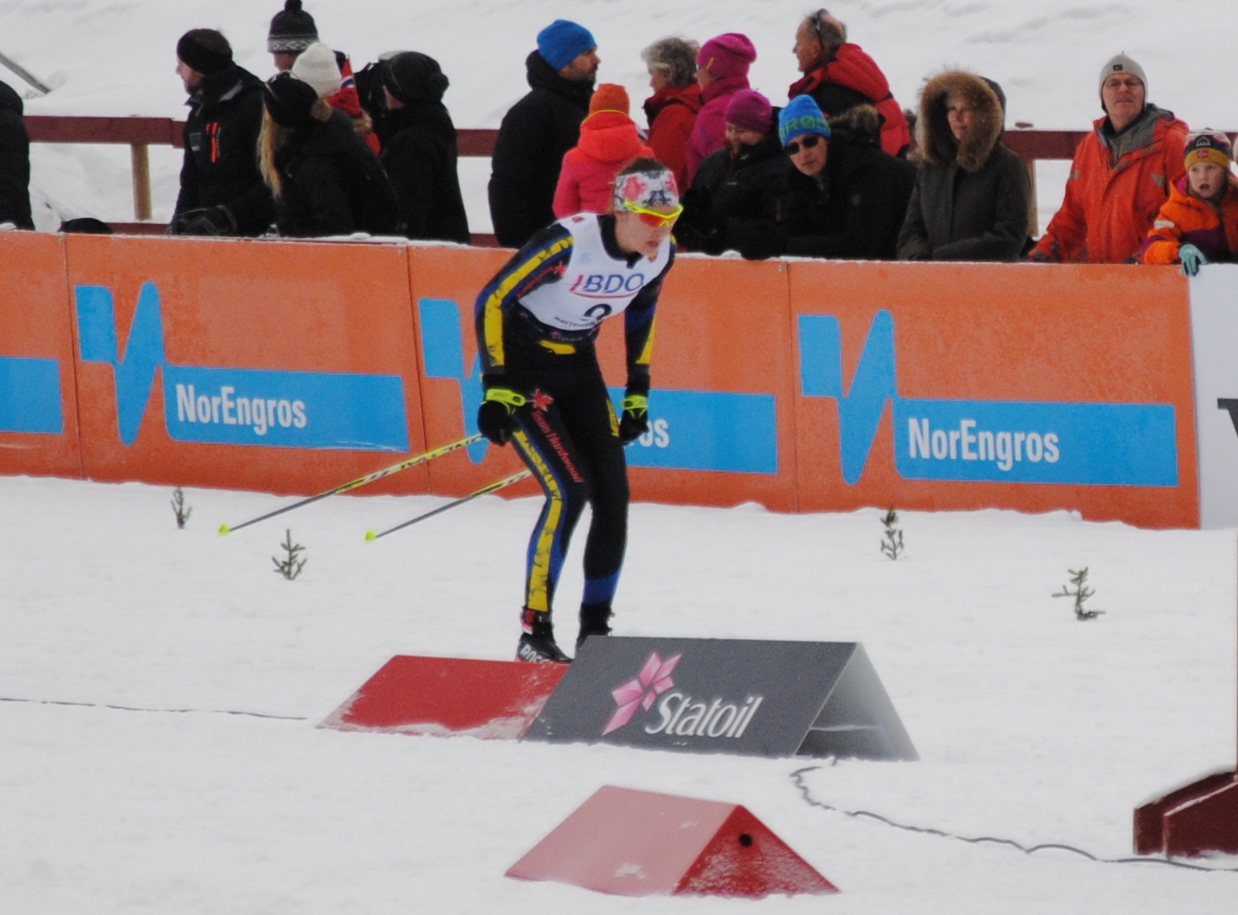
537, 642
594, 620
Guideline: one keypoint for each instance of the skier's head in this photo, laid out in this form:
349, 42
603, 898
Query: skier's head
646, 206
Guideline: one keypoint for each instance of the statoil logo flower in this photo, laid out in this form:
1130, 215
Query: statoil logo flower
654, 680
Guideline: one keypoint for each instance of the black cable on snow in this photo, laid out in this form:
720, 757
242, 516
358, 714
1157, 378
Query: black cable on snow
168, 711
798, 777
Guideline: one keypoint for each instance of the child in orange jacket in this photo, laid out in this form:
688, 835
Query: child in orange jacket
609, 140
1198, 224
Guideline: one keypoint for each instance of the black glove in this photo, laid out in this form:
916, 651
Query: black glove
635, 420
214, 220
759, 239
496, 415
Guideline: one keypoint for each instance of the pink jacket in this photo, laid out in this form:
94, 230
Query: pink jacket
709, 132
608, 142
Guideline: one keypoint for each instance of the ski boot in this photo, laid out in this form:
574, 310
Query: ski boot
537, 642
594, 620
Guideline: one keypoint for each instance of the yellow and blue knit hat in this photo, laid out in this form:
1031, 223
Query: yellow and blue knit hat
1209, 145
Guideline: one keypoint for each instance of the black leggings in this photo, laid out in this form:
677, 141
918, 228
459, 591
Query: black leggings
568, 436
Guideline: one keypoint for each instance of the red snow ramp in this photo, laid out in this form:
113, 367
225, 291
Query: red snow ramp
637, 843
1192, 821
413, 695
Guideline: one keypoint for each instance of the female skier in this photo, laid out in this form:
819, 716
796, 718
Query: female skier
536, 325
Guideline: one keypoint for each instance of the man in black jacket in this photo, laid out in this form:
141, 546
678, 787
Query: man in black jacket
846, 197
420, 153
222, 192
14, 161
738, 188
539, 129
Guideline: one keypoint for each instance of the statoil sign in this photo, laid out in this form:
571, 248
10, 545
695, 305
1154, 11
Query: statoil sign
725, 696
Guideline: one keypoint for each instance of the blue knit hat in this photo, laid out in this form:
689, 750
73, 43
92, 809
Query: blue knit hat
562, 42
802, 115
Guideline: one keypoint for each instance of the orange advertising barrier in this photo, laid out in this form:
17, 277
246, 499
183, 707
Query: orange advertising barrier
38, 398
805, 386
245, 364
723, 389
937, 386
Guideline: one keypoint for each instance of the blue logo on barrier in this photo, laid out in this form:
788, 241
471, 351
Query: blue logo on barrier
442, 345
30, 396
991, 441
227, 406
689, 430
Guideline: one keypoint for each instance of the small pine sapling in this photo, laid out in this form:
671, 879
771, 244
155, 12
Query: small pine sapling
182, 510
892, 538
290, 566
1081, 593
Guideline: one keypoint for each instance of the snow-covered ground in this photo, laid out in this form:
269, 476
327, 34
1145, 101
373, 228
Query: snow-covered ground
106, 57
161, 691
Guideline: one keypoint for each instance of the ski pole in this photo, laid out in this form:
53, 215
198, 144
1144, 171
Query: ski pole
24, 73
360, 481
492, 487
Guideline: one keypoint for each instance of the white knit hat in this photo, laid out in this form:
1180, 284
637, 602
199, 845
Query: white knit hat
1121, 63
316, 65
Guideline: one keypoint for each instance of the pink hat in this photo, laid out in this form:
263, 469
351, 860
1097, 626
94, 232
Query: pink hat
750, 110
727, 55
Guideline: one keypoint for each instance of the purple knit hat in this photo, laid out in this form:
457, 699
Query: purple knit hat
727, 55
750, 110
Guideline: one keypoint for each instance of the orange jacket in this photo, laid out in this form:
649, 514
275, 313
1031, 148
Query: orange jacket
1109, 208
608, 141
1187, 220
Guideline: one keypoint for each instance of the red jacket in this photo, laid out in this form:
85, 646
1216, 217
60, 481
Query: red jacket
1109, 208
671, 113
1184, 220
853, 69
608, 142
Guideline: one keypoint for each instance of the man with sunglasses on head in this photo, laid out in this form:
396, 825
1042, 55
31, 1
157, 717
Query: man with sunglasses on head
839, 76
536, 323
846, 198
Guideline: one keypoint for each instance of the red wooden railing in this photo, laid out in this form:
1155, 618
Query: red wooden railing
141, 133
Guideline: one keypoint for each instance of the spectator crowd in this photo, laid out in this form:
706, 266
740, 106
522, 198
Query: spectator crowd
839, 169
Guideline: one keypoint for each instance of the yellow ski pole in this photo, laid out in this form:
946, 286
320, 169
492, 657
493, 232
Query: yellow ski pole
370, 536
360, 481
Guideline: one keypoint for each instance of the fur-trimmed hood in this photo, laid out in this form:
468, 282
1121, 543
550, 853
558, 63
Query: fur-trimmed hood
862, 123
937, 143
